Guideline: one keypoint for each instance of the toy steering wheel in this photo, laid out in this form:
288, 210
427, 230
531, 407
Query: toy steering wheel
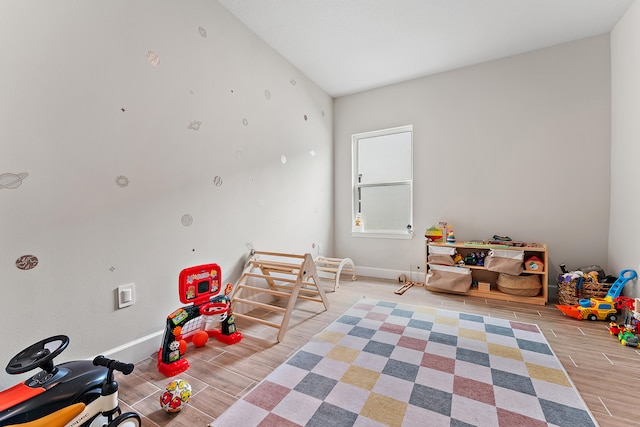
37, 355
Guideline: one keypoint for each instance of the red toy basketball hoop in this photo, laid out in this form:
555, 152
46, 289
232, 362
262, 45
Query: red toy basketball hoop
200, 287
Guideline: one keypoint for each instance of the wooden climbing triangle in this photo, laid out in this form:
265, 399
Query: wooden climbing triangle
289, 278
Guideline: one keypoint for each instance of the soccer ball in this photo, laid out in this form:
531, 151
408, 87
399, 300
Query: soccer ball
175, 396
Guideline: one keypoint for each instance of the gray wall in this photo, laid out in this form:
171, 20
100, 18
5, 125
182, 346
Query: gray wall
624, 236
518, 146
68, 68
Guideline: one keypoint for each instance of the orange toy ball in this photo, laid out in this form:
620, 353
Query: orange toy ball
183, 347
200, 338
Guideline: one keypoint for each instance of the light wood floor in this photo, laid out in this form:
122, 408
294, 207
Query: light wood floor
604, 371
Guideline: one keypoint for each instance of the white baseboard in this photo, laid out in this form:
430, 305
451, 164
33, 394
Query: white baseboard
144, 347
137, 350
385, 273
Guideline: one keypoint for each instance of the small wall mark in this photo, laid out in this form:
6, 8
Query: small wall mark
27, 262
11, 181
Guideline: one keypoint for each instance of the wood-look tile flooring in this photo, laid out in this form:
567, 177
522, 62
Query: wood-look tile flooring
605, 372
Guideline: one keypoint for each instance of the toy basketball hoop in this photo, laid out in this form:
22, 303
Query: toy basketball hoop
200, 287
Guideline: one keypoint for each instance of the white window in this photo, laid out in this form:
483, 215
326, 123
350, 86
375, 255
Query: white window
383, 183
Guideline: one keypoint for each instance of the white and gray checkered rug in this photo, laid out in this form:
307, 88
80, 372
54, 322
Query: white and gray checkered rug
391, 364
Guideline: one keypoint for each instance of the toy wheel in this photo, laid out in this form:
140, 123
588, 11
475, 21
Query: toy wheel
97, 421
38, 355
592, 317
612, 318
128, 419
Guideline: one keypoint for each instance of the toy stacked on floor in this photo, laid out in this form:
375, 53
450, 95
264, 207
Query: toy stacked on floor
627, 331
200, 287
600, 308
585, 282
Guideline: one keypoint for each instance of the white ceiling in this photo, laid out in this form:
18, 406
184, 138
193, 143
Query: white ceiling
347, 46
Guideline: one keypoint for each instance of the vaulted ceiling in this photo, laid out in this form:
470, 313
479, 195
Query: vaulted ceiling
347, 46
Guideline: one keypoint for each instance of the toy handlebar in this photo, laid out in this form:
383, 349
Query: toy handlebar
114, 365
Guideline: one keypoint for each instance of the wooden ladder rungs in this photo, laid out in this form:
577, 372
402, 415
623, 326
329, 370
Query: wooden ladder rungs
257, 319
259, 304
268, 277
304, 286
346, 269
264, 290
278, 266
336, 267
302, 289
279, 254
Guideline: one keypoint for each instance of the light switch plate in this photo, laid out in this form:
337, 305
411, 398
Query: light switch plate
126, 295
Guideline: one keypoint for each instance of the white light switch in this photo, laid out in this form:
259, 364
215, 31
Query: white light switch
126, 295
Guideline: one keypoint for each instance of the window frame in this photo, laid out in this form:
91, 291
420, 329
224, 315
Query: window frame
357, 186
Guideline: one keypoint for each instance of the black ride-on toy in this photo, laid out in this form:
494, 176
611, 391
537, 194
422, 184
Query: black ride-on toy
55, 387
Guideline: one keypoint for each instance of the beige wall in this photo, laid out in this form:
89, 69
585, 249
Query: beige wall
624, 235
518, 147
67, 70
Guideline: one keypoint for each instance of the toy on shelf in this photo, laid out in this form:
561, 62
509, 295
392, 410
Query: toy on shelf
600, 308
451, 238
475, 258
200, 287
433, 234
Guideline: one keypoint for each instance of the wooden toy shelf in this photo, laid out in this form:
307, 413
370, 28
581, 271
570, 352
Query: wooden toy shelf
481, 274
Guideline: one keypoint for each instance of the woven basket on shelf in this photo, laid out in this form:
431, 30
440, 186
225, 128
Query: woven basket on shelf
567, 291
523, 286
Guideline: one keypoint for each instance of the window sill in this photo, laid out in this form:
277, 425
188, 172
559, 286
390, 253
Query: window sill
382, 235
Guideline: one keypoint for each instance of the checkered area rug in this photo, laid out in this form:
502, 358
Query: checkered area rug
390, 364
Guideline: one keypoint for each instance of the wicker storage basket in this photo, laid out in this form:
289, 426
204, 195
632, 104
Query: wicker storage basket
567, 291
523, 286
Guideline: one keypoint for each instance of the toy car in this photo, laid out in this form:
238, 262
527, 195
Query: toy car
628, 338
52, 388
615, 329
592, 309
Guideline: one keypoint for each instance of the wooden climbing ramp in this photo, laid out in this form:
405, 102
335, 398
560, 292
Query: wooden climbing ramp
335, 267
288, 277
